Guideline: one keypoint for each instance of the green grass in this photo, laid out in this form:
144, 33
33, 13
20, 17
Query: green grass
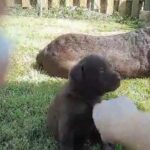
25, 99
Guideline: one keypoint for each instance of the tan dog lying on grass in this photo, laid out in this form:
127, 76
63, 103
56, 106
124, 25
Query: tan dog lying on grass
127, 53
119, 121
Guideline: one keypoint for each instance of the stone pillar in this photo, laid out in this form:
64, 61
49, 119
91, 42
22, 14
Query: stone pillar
135, 8
88, 4
49, 3
147, 5
40, 7
110, 7
107, 6
92, 4
145, 14
10, 3
83, 3
97, 5
116, 5
76, 3
56, 3
122, 7
18, 2
69, 3
103, 6
26, 4
62, 3
45, 6
129, 7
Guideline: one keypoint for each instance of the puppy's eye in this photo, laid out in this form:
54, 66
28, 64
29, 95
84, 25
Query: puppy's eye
82, 68
83, 72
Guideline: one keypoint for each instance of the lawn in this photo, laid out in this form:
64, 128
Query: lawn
25, 98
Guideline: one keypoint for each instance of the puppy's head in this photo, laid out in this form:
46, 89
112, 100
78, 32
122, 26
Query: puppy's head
94, 74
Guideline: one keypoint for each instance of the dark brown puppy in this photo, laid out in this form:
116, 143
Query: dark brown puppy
126, 52
70, 115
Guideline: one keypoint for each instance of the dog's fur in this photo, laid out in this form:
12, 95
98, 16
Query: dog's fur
119, 121
70, 115
126, 52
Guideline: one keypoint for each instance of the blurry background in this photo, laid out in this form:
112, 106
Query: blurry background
124, 7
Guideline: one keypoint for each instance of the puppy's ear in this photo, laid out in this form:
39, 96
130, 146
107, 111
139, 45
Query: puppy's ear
77, 73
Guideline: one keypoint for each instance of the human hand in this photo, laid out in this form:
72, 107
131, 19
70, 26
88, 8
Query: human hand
112, 115
4, 57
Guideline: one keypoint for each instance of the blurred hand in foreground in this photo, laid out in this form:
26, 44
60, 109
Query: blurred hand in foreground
4, 57
4, 47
